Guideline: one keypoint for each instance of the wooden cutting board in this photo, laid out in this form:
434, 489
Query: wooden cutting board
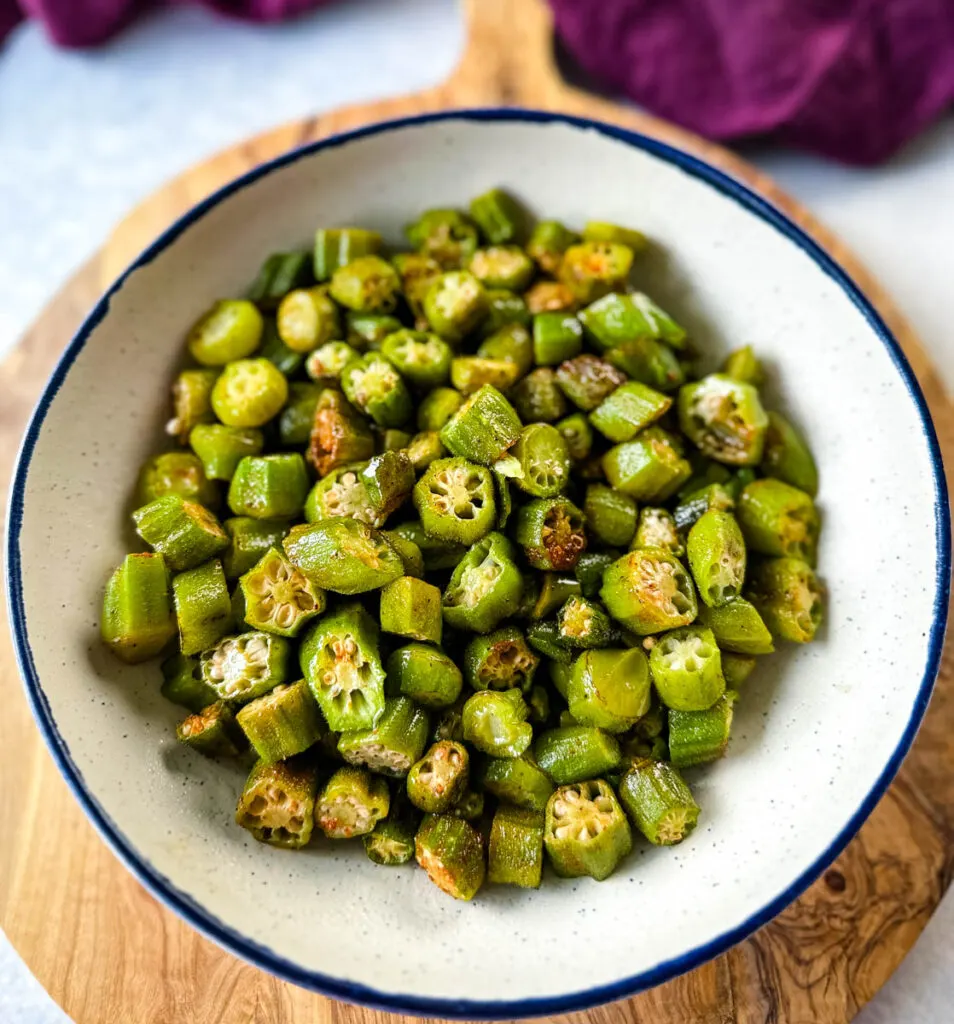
108, 953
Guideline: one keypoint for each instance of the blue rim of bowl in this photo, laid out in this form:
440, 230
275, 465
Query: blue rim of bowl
261, 956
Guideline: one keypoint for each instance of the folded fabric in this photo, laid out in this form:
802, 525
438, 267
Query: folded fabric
852, 79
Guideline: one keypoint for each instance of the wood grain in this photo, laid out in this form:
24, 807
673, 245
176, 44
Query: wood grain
107, 952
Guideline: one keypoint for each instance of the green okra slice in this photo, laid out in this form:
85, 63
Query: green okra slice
586, 832
470, 373
499, 216
698, 737
367, 284
544, 461
437, 407
556, 338
279, 274
175, 473
279, 598
578, 435
649, 590
555, 589
787, 457
502, 266
231, 329
339, 434
737, 668
611, 516
448, 237
692, 507
337, 247
589, 571
517, 781
438, 779
451, 851
657, 529
191, 401
342, 493
418, 272
222, 448
455, 304
609, 688
203, 606
515, 848
573, 753
182, 683
582, 623
560, 673
250, 539
388, 479
241, 668
391, 842
282, 723
339, 659
629, 409
500, 661
211, 731
548, 241
505, 309
455, 500
510, 343
137, 620
717, 557
737, 627
295, 422
184, 532
593, 269
778, 519
743, 365
789, 597
603, 231
307, 318
545, 638
249, 393
495, 722
351, 803
374, 386
485, 586
425, 674
424, 449
538, 398
422, 358
277, 804
411, 607
588, 381
368, 330
686, 667
269, 486
344, 556
663, 326
395, 742
724, 418
325, 363
658, 801
277, 352
649, 468
436, 554
483, 428
551, 533
410, 553
648, 361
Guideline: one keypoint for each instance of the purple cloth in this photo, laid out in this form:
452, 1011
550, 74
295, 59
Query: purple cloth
853, 79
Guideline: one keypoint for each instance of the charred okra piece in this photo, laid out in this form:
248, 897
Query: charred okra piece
250, 540
367, 284
191, 401
548, 241
424, 359
657, 529
307, 318
737, 627
343, 555
778, 519
787, 457
516, 780
203, 607
583, 623
609, 689
483, 428
277, 804
446, 236
716, 551
182, 683
586, 832
393, 744
687, 669
628, 410
137, 612
538, 398
425, 674
496, 723
337, 247
375, 387
451, 851
339, 435
232, 329
698, 737
184, 532
281, 723
438, 779
278, 597
455, 304
222, 448
610, 515
649, 590
551, 532
249, 393
574, 753
339, 659
455, 500
211, 731
649, 468
724, 418
412, 608
352, 802
788, 595
174, 473
269, 486
500, 661
659, 802
515, 848
593, 269
502, 266
485, 587
241, 668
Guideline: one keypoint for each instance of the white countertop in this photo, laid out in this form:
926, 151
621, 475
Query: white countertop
83, 136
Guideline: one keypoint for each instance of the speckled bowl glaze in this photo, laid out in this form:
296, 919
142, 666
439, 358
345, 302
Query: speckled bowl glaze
820, 731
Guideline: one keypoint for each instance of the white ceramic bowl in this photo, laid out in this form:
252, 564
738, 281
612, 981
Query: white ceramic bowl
820, 731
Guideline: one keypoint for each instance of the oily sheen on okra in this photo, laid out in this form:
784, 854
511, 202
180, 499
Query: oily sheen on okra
465, 548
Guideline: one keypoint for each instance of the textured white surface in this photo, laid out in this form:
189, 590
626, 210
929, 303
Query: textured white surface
131, 112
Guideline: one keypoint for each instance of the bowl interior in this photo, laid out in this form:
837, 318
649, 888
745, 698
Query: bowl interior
815, 729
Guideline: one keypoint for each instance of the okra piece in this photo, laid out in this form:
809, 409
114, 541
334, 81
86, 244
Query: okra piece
504, 309
277, 804
648, 361
339, 435
232, 329
649, 468
352, 802
277, 352
574, 753
686, 667
743, 365
339, 659
694, 506
483, 428
587, 380
418, 272
517, 781
191, 401
424, 449
510, 343
203, 607
550, 297
446, 236
499, 216
451, 851
589, 571
515, 848
392, 841
250, 540
281, 723
436, 554
495, 722
222, 448
610, 515
586, 832
337, 247
279, 274
545, 638
470, 373
716, 552
422, 358
549, 240
787, 457
342, 493
241, 668
249, 393
279, 598
698, 737
436, 781
556, 337
455, 500
609, 688
500, 661
538, 700
551, 532
724, 419
437, 408
184, 532
269, 486
393, 744
343, 555
502, 266
325, 364
367, 284
544, 461
629, 409
455, 304
374, 386
449, 725
470, 806
603, 231
412, 608
307, 318
182, 683
658, 801
174, 473
663, 326
578, 435
789, 597
388, 479
583, 624
554, 591
657, 529
778, 519
649, 590
410, 553
295, 422
137, 618
537, 397
211, 731
737, 627
368, 330
593, 269
737, 668
425, 674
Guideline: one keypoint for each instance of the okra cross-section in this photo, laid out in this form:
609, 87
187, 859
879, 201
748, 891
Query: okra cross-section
544, 460
211, 731
240, 668
343, 555
455, 304
342, 493
455, 500
282, 723
496, 723
717, 557
367, 284
687, 669
374, 385
278, 597
583, 623
485, 587
137, 618
724, 418
593, 269
249, 393
649, 590
551, 532
393, 744
500, 661
439, 779
352, 802
451, 851
789, 597
184, 532
277, 804
586, 832
658, 801
175, 473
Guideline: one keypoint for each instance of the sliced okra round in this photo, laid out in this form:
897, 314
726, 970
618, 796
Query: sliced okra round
587, 832
649, 590
510, 343
281, 723
649, 468
437, 407
412, 608
609, 689
438, 780
425, 674
593, 269
455, 304
502, 266
191, 401
241, 668
698, 737
343, 555
499, 216
212, 732
789, 597
249, 540
351, 803
277, 804
485, 587
138, 621
515, 848
500, 661
341, 494
307, 318
448, 237
222, 448
367, 284
325, 363
203, 607
175, 473
687, 669
184, 532
657, 529
373, 384
393, 744
724, 418
279, 598
538, 398
249, 393
470, 373
451, 852
717, 557
551, 532
423, 358
582, 623
544, 460
232, 329
269, 486
548, 241
550, 296
455, 500
339, 434
778, 519
496, 723
658, 801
